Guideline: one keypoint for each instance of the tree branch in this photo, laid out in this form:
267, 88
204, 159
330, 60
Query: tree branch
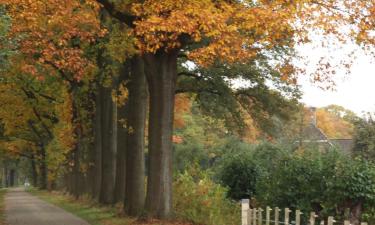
122, 17
42, 122
190, 74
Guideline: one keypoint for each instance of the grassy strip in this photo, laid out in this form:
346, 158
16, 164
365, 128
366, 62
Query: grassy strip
2, 215
92, 212
84, 208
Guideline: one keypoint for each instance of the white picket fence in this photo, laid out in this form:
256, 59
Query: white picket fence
251, 216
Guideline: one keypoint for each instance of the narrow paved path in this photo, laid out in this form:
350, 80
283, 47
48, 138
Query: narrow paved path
22, 208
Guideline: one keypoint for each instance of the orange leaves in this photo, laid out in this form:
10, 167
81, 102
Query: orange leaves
64, 130
52, 30
183, 104
230, 32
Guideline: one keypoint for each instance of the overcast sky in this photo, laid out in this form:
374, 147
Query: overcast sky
355, 91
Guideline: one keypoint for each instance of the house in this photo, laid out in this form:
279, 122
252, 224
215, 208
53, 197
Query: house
313, 136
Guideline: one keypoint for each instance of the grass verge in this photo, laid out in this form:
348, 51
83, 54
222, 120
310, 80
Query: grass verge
2, 206
92, 212
84, 208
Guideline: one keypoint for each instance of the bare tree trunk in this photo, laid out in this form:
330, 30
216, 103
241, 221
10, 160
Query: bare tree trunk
42, 168
109, 127
161, 72
121, 156
122, 133
135, 164
34, 172
97, 166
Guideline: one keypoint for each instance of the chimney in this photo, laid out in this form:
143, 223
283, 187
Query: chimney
313, 115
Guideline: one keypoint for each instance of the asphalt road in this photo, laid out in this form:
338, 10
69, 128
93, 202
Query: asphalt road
21, 208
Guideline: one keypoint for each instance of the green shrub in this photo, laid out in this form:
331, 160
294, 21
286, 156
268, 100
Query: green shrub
239, 174
296, 182
199, 200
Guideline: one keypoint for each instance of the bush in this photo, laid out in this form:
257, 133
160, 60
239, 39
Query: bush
296, 182
199, 200
239, 174
310, 180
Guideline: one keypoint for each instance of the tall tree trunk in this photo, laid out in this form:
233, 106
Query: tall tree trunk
97, 166
43, 170
76, 172
122, 133
135, 163
109, 127
161, 72
34, 173
77, 178
121, 156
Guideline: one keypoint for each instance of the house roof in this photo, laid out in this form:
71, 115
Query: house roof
313, 133
346, 145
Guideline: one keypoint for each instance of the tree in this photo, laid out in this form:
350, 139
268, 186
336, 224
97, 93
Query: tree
209, 31
162, 32
5, 44
57, 36
335, 121
364, 132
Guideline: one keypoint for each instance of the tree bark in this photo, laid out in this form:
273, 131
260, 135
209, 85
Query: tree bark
109, 127
34, 172
121, 157
121, 141
97, 166
43, 168
135, 164
161, 73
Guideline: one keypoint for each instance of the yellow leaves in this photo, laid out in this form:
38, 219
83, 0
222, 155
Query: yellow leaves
121, 45
332, 125
122, 94
17, 147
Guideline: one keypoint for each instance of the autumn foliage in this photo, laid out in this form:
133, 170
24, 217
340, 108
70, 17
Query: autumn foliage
68, 97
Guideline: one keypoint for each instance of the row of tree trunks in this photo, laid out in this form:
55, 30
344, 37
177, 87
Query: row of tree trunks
118, 151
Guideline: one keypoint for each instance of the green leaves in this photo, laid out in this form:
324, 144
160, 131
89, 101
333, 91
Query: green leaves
5, 44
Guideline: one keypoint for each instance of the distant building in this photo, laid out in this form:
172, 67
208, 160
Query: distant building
311, 135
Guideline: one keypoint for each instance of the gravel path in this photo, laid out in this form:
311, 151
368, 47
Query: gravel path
22, 208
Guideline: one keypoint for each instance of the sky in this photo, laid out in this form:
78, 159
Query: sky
355, 91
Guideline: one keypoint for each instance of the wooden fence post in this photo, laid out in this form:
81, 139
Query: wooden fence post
255, 216
330, 220
298, 217
286, 217
312, 218
260, 216
268, 215
277, 211
245, 210
249, 216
